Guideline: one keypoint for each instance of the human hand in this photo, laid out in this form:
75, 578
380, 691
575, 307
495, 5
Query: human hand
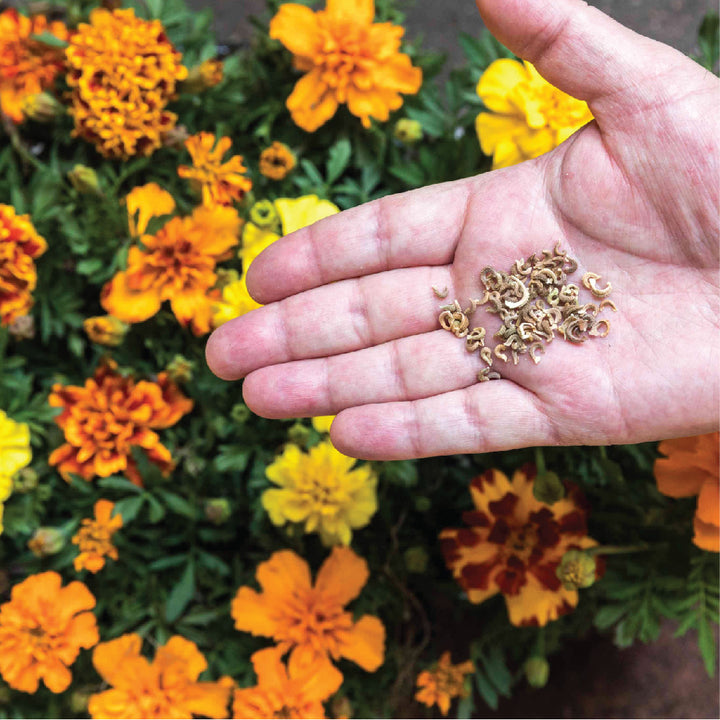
350, 323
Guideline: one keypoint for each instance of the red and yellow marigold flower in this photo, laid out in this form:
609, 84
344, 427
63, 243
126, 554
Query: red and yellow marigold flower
443, 682
42, 629
348, 59
20, 244
514, 544
108, 416
94, 539
167, 687
296, 691
528, 116
311, 620
692, 467
27, 66
123, 72
219, 182
177, 263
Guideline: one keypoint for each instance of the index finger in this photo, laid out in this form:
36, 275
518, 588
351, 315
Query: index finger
420, 227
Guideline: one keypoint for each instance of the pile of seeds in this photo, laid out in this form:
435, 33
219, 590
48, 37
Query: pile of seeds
534, 301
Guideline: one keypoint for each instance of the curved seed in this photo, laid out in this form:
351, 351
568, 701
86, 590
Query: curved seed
486, 356
607, 303
440, 293
533, 351
499, 353
595, 330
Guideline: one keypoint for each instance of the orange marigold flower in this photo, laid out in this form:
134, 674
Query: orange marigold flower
220, 183
27, 66
514, 545
692, 468
167, 687
311, 620
277, 161
109, 416
94, 538
347, 59
176, 264
42, 629
443, 682
123, 71
19, 246
295, 691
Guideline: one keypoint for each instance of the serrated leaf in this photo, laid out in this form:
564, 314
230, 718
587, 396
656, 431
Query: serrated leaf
608, 616
115, 482
486, 690
128, 508
707, 645
338, 159
497, 672
180, 595
179, 505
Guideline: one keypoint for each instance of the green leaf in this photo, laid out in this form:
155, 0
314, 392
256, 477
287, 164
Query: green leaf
47, 38
180, 595
608, 616
708, 648
178, 505
115, 482
497, 671
709, 41
129, 507
486, 690
156, 510
338, 159
466, 707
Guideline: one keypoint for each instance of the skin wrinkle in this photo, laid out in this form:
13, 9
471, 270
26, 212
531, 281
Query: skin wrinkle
383, 242
360, 314
398, 371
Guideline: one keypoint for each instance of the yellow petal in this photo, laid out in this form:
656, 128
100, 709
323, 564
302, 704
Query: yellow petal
297, 213
496, 83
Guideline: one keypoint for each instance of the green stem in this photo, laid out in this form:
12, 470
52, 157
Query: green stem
618, 549
539, 460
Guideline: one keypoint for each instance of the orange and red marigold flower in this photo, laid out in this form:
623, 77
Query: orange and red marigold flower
177, 263
19, 246
167, 687
27, 66
123, 72
692, 467
514, 545
94, 539
347, 58
443, 682
310, 620
108, 416
42, 629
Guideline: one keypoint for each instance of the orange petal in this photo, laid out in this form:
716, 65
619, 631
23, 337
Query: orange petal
183, 653
342, 576
707, 535
708, 509
311, 102
284, 573
296, 27
365, 643
355, 12
253, 613
131, 306
110, 658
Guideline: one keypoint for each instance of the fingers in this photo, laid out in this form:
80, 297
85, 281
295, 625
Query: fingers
421, 227
486, 417
332, 319
582, 51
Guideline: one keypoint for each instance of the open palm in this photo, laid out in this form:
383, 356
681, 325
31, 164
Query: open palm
350, 323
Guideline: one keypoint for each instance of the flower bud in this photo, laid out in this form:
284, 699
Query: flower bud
84, 180
537, 671
105, 330
79, 701
180, 369
175, 137
299, 434
46, 541
25, 480
217, 510
341, 707
577, 570
203, 76
548, 488
422, 503
416, 559
240, 413
264, 215
22, 328
408, 131
42, 107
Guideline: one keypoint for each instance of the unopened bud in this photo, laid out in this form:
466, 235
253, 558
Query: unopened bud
217, 510
408, 131
46, 541
79, 701
537, 671
5, 695
105, 330
422, 503
85, 180
206, 75
264, 215
577, 570
416, 559
180, 369
548, 488
341, 707
299, 434
25, 480
240, 413
42, 107
175, 137
22, 328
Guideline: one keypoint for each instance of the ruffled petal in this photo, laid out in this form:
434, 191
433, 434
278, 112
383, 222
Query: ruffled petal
365, 643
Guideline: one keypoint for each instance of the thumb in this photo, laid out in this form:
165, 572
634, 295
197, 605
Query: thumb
585, 53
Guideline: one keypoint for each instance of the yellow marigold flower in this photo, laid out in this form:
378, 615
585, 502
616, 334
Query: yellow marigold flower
123, 71
94, 539
443, 682
691, 467
320, 490
42, 629
220, 183
176, 264
277, 161
235, 301
20, 244
167, 687
108, 416
296, 691
15, 454
27, 66
322, 423
347, 59
528, 116
105, 330
515, 544
310, 620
